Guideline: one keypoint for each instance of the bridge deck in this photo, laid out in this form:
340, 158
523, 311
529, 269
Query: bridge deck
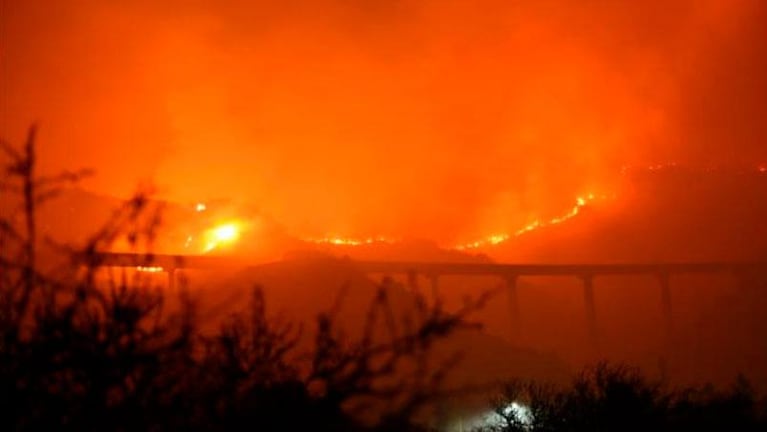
433, 270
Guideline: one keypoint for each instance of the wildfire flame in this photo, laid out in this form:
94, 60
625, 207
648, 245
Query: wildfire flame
150, 269
344, 241
221, 235
495, 239
492, 239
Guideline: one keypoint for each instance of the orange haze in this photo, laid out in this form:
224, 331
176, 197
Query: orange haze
441, 119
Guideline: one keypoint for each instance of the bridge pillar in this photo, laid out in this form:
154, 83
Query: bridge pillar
665, 295
591, 310
434, 280
412, 281
171, 271
748, 279
514, 315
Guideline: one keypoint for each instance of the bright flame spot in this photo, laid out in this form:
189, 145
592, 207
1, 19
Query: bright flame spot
150, 269
221, 235
225, 233
498, 238
200, 207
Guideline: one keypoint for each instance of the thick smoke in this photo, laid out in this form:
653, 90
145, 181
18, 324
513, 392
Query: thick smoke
438, 119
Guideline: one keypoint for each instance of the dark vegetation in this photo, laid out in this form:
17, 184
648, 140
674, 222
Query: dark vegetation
86, 349
619, 398
82, 348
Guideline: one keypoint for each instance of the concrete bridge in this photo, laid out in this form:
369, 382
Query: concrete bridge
508, 273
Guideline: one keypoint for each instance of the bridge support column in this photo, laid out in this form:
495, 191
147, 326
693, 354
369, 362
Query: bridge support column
514, 316
434, 280
665, 295
591, 311
171, 271
748, 280
412, 281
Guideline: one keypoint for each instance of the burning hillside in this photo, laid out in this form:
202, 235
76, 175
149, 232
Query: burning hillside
664, 213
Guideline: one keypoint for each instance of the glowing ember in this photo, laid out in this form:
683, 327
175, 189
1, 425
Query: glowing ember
489, 240
200, 207
760, 168
527, 228
345, 241
150, 269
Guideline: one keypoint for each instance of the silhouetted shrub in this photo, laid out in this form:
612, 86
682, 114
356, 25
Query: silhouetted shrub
82, 349
619, 398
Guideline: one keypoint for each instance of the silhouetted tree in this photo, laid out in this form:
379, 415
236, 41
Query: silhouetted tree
85, 349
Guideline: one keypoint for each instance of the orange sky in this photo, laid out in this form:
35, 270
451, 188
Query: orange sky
438, 119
